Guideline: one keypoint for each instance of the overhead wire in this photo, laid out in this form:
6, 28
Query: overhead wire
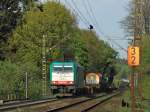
87, 11
75, 5
92, 13
99, 29
92, 16
77, 14
93, 19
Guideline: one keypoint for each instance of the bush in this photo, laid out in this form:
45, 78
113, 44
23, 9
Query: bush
12, 80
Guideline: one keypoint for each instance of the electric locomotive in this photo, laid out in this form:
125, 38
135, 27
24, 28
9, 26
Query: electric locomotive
66, 77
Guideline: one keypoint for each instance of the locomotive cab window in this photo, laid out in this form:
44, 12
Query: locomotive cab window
57, 68
68, 69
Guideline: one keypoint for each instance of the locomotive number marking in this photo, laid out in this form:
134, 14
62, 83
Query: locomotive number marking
133, 60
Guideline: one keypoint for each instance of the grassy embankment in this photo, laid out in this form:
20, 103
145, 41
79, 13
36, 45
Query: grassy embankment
146, 93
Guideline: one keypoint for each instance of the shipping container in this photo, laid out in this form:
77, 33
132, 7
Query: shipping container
92, 78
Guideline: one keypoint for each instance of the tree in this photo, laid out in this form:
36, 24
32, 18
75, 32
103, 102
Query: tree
146, 14
9, 79
12, 80
55, 23
79, 48
11, 13
9, 17
128, 25
98, 52
145, 55
128, 22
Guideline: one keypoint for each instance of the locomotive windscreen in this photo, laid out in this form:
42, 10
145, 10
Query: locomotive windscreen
63, 75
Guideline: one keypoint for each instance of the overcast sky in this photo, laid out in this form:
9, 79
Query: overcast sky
108, 14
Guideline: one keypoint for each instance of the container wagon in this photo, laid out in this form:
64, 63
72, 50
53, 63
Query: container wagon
93, 81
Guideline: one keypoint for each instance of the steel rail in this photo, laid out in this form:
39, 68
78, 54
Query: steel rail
103, 99
10, 106
100, 102
74, 104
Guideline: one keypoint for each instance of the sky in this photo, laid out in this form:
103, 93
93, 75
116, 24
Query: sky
107, 14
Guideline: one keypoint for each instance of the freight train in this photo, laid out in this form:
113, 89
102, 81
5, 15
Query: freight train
70, 77
66, 77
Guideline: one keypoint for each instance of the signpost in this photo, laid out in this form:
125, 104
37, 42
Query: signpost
133, 56
134, 61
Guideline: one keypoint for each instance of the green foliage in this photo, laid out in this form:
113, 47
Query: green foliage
128, 22
55, 23
123, 70
25, 45
99, 52
9, 77
145, 93
9, 17
146, 86
146, 54
34, 79
91, 52
12, 80
78, 46
35, 88
9, 14
145, 68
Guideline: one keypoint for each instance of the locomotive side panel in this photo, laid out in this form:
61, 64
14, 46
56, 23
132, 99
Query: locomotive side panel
80, 77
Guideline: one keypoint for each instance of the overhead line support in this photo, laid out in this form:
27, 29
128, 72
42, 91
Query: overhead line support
136, 92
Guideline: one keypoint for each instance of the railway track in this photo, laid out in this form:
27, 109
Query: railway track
11, 102
25, 103
84, 105
76, 104
36, 104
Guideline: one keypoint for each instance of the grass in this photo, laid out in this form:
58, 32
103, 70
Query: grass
115, 104
146, 87
146, 95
